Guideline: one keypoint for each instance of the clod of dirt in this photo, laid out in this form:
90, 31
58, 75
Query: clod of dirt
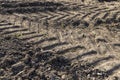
43, 56
76, 23
98, 22
100, 39
84, 72
60, 63
8, 37
30, 52
97, 73
109, 20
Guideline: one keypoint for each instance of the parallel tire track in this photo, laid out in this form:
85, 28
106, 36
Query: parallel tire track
78, 52
98, 51
89, 13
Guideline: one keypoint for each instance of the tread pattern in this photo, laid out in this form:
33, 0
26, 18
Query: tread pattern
81, 14
98, 49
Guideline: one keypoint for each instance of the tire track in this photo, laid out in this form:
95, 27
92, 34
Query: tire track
80, 52
96, 60
59, 16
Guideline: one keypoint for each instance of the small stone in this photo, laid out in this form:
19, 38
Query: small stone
93, 78
88, 75
28, 46
49, 68
63, 76
19, 78
99, 74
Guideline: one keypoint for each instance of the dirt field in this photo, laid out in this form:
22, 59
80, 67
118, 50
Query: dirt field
60, 40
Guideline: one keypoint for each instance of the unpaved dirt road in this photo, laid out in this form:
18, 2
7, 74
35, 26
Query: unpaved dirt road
60, 40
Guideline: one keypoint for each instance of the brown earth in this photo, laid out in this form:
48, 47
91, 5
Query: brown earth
81, 42
20, 60
63, 14
72, 54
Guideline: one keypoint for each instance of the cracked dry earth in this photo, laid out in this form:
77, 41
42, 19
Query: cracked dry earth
80, 44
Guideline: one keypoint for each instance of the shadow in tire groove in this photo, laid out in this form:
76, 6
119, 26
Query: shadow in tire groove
115, 68
86, 15
5, 24
85, 54
117, 44
33, 4
70, 49
94, 63
43, 40
54, 45
37, 6
94, 16
32, 37
10, 32
29, 33
9, 27
105, 15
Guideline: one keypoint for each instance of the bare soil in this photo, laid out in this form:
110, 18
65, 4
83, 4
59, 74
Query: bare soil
59, 40
20, 60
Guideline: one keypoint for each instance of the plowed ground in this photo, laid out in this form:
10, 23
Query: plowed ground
68, 41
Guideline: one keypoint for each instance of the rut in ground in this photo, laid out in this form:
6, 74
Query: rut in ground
101, 51
98, 46
61, 14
